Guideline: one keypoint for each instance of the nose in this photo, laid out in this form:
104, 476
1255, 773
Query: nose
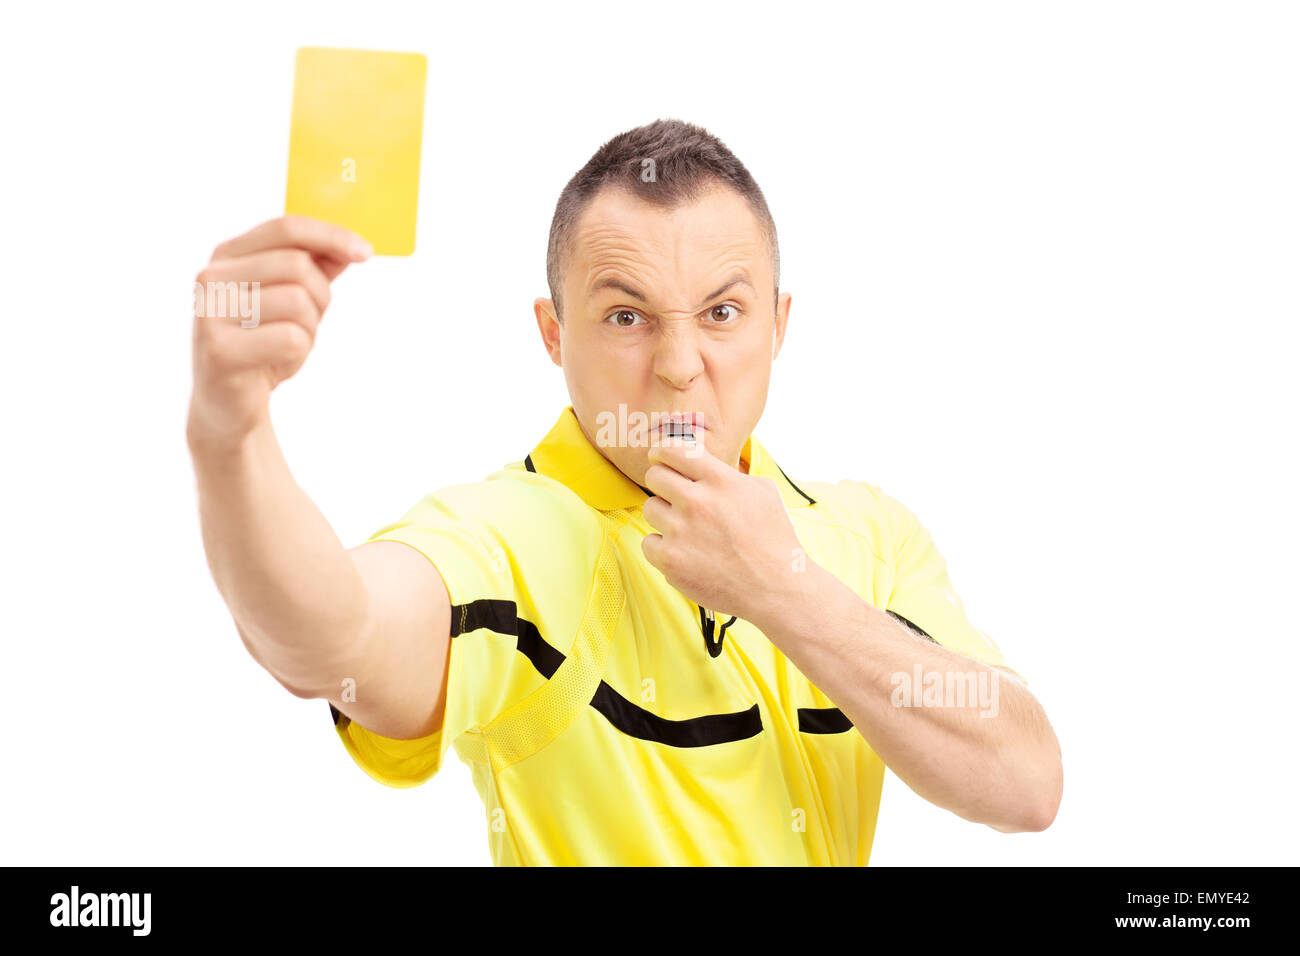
677, 358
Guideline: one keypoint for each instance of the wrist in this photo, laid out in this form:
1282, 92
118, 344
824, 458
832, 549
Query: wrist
207, 441
790, 593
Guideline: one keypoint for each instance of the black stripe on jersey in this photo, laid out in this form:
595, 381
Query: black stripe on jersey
823, 720
692, 732
832, 720
918, 630
501, 617
794, 486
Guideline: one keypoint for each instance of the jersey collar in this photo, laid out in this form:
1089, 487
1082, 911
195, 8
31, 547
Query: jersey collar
567, 456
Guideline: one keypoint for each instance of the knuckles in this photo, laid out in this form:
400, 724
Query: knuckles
299, 343
288, 229
299, 301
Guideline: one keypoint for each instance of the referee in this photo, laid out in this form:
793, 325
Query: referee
649, 643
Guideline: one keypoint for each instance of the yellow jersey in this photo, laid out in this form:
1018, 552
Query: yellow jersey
607, 719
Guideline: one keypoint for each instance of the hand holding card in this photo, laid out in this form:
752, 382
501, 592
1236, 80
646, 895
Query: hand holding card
354, 142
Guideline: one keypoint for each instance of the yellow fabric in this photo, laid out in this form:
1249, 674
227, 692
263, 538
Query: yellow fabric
597, 727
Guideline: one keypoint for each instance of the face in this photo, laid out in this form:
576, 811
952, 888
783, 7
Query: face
667, 311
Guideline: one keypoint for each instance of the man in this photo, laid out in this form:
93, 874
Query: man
648, 643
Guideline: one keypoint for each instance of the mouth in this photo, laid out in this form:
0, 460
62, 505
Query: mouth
681, 425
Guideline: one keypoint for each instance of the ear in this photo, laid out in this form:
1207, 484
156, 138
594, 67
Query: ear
549, 325
782, 317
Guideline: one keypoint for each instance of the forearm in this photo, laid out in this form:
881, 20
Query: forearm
297, 598
1003, 770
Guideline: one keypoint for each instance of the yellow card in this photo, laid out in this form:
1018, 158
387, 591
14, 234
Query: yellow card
354, 142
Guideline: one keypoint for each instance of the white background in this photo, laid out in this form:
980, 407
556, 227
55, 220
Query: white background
1044, 266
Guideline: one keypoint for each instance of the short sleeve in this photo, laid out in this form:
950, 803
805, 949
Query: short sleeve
494, 546
923, 596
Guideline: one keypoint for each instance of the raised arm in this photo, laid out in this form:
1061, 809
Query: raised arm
367, 629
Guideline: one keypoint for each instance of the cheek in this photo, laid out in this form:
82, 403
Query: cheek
752, 362
616, 364
603, 376
582, 356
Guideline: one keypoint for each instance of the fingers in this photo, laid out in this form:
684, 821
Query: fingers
330, 267
689, 458
300, 232
257, 306
277, 266
288, 303
273, 344
284, 302
660, 515
667, 483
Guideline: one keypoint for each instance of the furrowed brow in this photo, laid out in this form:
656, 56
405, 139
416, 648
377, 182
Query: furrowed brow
733, 281
609, 282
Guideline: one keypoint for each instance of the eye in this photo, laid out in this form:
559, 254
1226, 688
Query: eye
723, 312
617, 316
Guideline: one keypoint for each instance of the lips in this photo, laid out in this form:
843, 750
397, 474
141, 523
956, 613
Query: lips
681, 423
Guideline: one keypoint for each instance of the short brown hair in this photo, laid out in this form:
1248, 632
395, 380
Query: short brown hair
666, 163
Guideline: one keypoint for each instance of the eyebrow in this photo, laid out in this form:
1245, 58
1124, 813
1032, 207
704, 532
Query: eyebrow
609, 282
